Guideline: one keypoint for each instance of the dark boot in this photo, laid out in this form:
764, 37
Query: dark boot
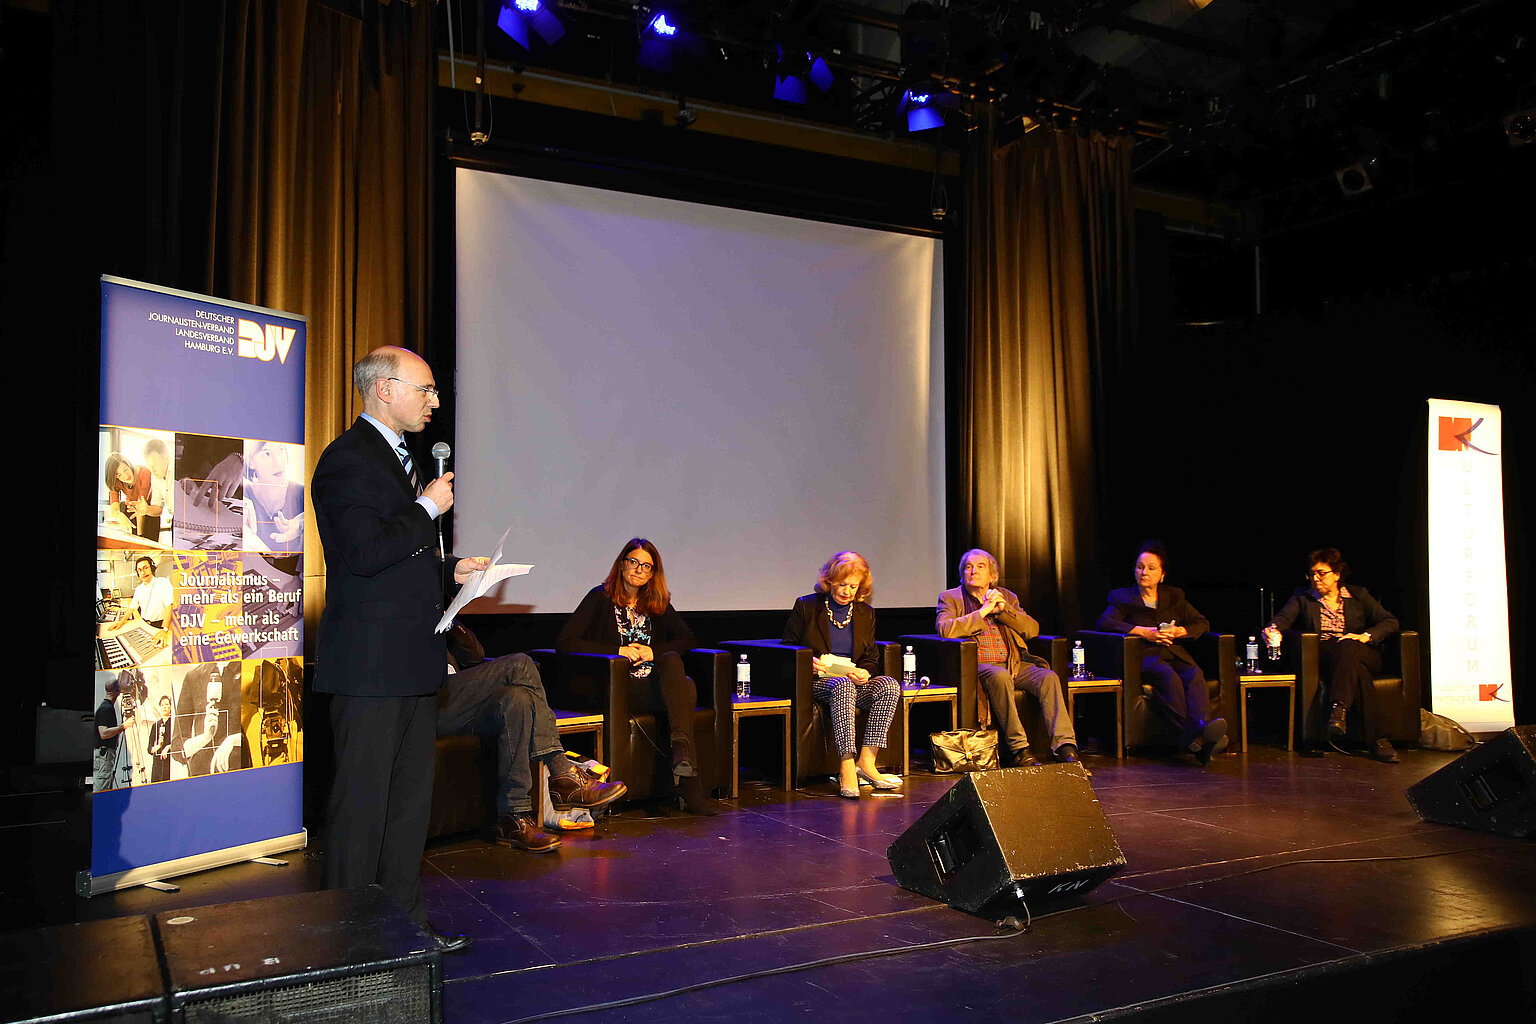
693, 798
522, 832
579, 788
1336, 718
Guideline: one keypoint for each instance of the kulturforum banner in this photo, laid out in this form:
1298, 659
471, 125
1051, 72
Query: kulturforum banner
199, 568
1469, 667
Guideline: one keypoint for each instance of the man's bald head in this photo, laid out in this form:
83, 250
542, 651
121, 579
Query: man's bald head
393, 383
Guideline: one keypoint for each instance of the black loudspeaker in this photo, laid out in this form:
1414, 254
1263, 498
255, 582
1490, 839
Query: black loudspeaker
339, 956
106, 972
1000, 838
1491, 788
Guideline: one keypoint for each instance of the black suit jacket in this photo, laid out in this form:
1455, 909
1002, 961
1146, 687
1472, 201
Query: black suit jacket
592, 629
383, 593
1362, 614
807, 626
1126, 611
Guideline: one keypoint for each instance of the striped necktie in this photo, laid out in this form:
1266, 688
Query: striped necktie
410, 467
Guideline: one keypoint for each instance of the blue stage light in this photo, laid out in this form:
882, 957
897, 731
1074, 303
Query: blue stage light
924, 107
516, 16
792, 71
662, 36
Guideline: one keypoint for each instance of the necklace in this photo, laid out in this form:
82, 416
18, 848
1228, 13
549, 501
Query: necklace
846, 619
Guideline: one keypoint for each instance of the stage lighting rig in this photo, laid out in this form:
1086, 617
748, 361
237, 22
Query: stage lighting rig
663, 35
517, 16
794, 69
924, 104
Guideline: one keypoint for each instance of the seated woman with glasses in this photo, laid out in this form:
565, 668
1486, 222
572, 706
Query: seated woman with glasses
1351, 624
630, 614
837, 621
1161, 616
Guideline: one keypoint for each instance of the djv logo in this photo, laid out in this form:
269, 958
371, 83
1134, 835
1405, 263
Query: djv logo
263, 341
1456, 434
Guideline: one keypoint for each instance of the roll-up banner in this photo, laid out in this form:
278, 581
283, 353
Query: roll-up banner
199, 568
1469, 669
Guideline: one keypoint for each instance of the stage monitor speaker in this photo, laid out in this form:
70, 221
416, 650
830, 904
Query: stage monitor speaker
105, 972
1001, 838
1491, 788
343, 956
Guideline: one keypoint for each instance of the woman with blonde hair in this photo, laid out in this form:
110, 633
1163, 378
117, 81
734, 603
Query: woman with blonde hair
837, 622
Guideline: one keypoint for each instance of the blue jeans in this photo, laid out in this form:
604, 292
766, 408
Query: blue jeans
503, 697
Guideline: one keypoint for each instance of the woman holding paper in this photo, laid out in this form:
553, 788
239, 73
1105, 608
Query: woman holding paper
1162, 616
630, 614
838, 625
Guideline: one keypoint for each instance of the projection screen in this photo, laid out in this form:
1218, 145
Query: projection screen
751, 392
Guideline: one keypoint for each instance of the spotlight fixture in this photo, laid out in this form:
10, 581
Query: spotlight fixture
517, 15
1520, 127
662, 35
924, 104
1353, 180
794, 69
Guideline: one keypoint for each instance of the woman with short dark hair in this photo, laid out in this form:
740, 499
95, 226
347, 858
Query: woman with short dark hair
1351, 624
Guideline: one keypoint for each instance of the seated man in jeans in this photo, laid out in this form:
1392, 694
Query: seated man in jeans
991, 614
504, 697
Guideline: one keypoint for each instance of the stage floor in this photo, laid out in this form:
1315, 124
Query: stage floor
1266, 872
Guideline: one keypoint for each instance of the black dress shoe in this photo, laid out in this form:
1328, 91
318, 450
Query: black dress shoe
1336, 717
1214, 739
1019, 759
444, 942
1384, 752
1067, 754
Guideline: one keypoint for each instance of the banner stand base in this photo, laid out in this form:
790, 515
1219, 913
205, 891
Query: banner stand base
88, 885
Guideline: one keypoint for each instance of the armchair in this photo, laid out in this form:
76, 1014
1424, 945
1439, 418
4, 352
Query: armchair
952, 662
1397, 687
635, 748
1114, 654
784, 671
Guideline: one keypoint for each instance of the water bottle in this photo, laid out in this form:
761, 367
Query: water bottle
1251, 656
743, 678
909, 668
1271, 648
1079, 661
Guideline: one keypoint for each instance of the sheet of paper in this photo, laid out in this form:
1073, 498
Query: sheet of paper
482, 580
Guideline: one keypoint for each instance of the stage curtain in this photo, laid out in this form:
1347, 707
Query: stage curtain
1048, 297
322, 163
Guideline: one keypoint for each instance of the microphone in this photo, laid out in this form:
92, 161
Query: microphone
440, 452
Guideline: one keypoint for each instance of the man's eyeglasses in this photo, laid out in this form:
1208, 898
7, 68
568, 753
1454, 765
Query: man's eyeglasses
1318, 574
430, 392
643, 568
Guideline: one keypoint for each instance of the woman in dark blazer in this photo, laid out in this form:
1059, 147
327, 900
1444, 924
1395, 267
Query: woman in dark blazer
630, 614
838, 620
1161, 615
1351, 624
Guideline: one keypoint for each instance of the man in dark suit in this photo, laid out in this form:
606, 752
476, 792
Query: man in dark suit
378, 655
980, 608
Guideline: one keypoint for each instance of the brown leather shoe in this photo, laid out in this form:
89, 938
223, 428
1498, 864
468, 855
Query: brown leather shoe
1384, 752
581, 789
1336, 720
522, 832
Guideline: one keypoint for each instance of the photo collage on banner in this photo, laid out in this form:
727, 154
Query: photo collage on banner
199, 562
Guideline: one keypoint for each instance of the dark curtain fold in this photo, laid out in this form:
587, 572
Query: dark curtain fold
1048, 246
321, 163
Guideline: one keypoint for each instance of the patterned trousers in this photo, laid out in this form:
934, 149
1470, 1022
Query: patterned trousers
879, 698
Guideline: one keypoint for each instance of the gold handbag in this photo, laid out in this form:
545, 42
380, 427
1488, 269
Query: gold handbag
964, 750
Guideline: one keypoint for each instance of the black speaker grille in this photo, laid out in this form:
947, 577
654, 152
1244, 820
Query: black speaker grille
382, 997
